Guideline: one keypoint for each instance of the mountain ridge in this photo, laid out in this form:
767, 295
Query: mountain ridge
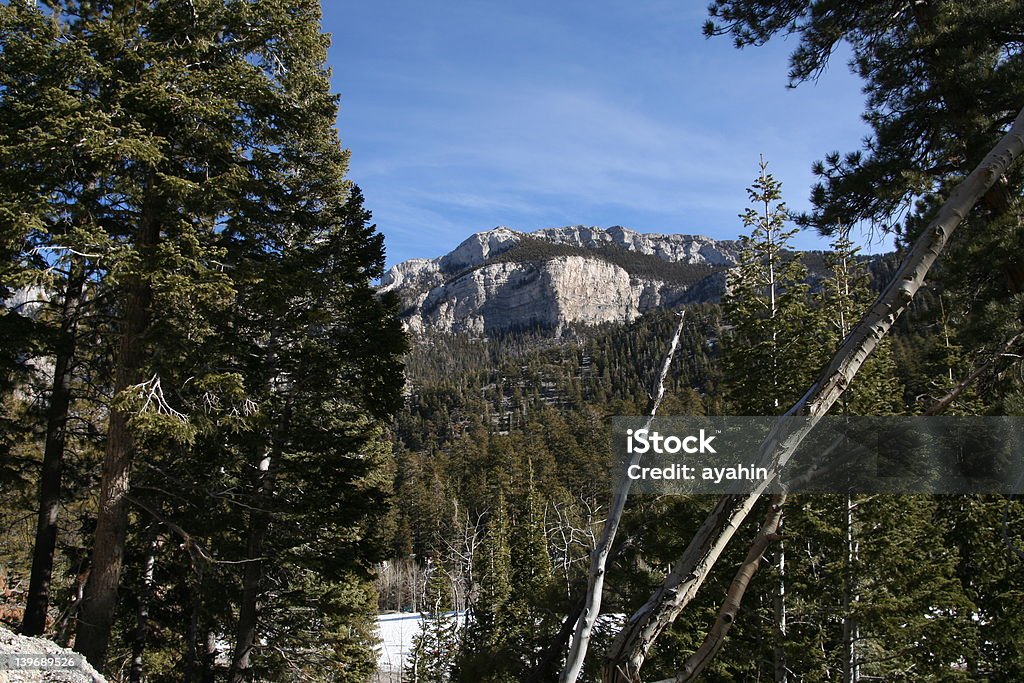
503, 279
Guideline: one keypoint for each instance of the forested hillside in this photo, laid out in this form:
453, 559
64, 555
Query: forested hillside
505, 440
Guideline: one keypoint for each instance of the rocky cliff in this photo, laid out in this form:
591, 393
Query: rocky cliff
502, 279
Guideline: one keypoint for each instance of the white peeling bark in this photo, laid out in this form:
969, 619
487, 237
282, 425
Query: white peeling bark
715, 638
599, 556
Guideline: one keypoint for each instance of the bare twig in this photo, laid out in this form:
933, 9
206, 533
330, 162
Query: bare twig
188, 543
57, 247
151, 394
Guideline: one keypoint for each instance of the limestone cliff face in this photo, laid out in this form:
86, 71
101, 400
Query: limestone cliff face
501, 280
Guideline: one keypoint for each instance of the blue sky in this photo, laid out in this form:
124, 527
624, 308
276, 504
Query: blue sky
463, 115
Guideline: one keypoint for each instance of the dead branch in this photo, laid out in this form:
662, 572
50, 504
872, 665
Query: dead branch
947, 400
715, 638
151, 394
599, 556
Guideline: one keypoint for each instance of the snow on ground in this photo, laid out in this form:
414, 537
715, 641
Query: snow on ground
396, 632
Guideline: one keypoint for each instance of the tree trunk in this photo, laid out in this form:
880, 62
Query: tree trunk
599, 556
69, 617
96, 615
779, 635
192, 637
34, 621
142, 617
553, 649
248, 612
627, 653
201, 652
210, 657
851, 630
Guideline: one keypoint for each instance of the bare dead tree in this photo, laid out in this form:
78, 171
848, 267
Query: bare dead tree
572, 530
599, 556
629, 650
459, 553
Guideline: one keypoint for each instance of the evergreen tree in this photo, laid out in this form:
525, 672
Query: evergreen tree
770, 353
530, 620
317, 352
52, 240
436, 646
187, 170
488, 627
844, 295
820, 633
768, 356
943, 81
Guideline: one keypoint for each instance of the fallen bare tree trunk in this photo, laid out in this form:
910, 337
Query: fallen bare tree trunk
715, 638
628, 652
599, 556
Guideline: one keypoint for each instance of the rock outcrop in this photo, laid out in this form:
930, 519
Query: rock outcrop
693, 249
32, 660
502, 279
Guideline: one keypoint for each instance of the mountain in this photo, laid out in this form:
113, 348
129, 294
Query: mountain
503, 279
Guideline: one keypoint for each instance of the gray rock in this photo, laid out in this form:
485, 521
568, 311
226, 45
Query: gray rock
40, 653
474, 291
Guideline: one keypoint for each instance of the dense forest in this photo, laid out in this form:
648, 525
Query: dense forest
504, 475
222, 456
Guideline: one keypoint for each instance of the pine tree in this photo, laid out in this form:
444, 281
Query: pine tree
770, 352
52, 241
436, 646
821, 634
163, 185
844, 295
488, 629
992, 576
943, 83
771, 349
188, 163
530, 622
317, 352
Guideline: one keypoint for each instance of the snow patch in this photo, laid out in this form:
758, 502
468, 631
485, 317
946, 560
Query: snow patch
396, 632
